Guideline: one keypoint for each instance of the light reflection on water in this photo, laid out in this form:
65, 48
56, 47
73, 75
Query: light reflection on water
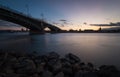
99, 48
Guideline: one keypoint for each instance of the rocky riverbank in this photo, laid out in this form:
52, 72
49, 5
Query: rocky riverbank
51, 65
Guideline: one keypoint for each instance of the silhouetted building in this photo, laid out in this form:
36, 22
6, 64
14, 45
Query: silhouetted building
79, 30
88, 30
100, 29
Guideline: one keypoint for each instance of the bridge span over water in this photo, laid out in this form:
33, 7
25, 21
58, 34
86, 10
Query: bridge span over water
35, 25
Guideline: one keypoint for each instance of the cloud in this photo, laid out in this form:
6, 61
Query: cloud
111, 24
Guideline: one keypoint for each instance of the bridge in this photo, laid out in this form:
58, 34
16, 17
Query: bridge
35, 25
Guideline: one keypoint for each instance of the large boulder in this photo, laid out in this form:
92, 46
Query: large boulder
57, 67
53, 62
72, 58
65, 62
26, 66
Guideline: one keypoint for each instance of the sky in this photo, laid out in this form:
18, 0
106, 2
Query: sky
69, 14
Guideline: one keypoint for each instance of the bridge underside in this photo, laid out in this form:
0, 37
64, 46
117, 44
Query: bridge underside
35, 26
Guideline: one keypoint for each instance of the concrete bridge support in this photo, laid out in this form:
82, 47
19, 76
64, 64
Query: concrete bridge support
36, 32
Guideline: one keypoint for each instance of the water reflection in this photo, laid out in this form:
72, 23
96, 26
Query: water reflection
37, 45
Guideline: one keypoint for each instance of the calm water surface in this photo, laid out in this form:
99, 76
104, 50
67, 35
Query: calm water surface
99, 48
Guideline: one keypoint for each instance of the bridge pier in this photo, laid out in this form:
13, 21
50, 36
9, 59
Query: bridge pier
32, 32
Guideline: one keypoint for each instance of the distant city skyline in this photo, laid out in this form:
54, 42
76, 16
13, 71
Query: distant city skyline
75, 14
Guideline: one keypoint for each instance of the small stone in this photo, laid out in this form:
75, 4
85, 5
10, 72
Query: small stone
76, 67
60, 74
43, 58
67, 71
78, 74
86, 74
90, 65
108, 70
3, 58
65, 63
90, 74
38, 61
12, 62
53, 55
52, 62
35, 75
47, 73
9, 70
40, 67
2, 74
12, 75
57, 65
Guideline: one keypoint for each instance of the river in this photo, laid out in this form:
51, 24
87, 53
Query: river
98, 48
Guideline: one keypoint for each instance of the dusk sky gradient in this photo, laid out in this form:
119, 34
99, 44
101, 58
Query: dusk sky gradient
75, 12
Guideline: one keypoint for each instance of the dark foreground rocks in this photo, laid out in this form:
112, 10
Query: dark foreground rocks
51, 65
